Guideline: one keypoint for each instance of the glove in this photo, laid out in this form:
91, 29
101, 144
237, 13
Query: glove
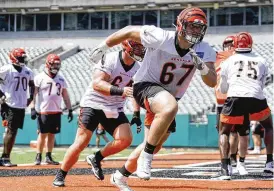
198, 62
33, 114
70, 116
98, 53
136, 120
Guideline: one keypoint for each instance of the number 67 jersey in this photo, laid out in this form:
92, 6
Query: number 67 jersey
165, 63
49, 97
245, 74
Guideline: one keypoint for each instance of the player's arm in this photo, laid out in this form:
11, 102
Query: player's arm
101, 84
35, 92
66, 98
223, 87
210, 78
31, 92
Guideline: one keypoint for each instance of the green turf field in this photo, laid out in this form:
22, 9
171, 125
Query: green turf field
25, 154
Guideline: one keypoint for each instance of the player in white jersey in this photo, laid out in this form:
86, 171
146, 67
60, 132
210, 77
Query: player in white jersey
242, 78
50, 89
103, 103
166, 71
16, 80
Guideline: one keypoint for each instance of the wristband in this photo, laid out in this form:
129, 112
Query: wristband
70, 110
114, 91
204, 71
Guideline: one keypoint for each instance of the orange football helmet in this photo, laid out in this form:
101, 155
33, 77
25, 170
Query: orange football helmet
18, 56
228, 43
53, 63
134, 49
192, 24
243, 42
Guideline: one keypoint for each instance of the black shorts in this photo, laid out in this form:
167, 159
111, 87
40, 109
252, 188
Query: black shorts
259, 130
15, 118
90, 118
144, 90
240, 110
100, 132
50, 123
243, 130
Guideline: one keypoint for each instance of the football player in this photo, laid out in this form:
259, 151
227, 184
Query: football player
103, 103
50, 89
16, 80
243, 77
170, 62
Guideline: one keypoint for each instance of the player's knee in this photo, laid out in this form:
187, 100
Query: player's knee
12, 132
170, 110
125, 142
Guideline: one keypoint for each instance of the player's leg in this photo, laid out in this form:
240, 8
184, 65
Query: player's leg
105, 138
87, 123
42, 136
232, 113
41, 139
120, 130
15, 118
119, 178
165, 107
257, 135
261, 112
97, 141
233, 141
243, 131
268, 141
49, 148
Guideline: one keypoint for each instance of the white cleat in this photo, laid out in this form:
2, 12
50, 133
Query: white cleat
120, 181
254, 152
241, 168
269, 167
144, 165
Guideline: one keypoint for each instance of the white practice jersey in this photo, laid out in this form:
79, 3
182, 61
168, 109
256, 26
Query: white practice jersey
49, 97
118, 76
16, 85
162, 63
245, 75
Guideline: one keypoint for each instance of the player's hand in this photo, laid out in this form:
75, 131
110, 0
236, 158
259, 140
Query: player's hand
136, 120
98, 53
33, 114
197, 61
128, 92
70, 116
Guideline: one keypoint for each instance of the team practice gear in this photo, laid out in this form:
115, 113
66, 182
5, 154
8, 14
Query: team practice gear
228, 43
192, 24
136, 120
134, 49
18, 57
243, 42
53, 64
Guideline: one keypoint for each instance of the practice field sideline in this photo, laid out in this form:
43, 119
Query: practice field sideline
179, 171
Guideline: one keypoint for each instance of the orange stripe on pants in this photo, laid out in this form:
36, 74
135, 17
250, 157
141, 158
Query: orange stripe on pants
232, 119
149, 118
260, 115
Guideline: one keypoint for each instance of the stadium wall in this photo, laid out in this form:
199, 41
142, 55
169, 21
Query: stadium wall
187, 134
